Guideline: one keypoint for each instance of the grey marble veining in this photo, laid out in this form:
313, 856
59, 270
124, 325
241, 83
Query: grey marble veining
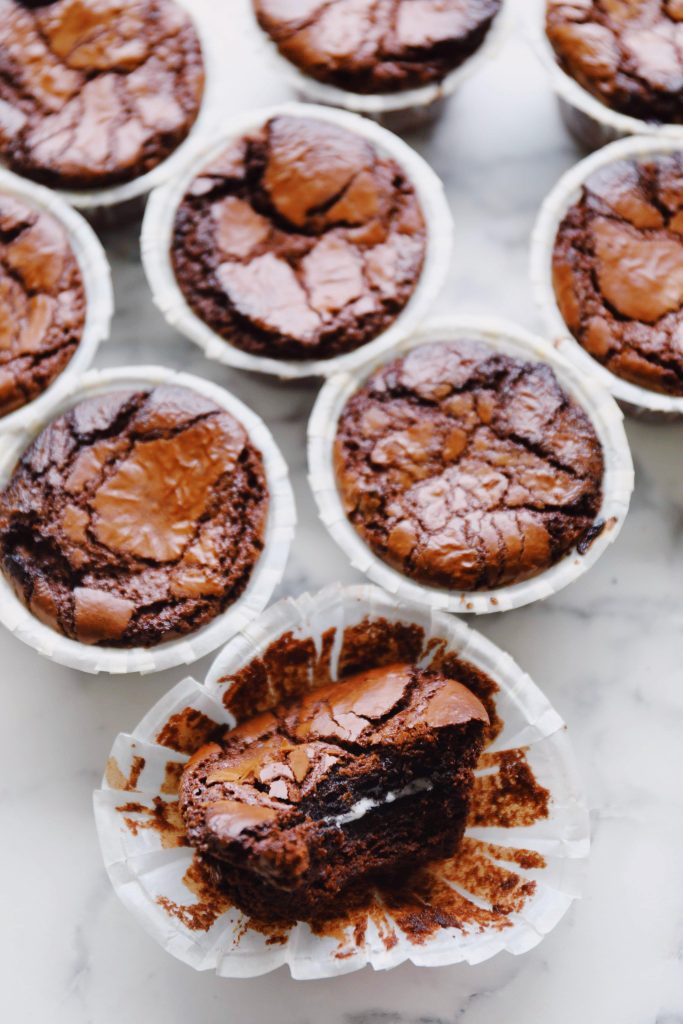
608, 652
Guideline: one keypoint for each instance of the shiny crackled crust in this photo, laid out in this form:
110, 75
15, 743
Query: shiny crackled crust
467, 469
377, 46
627, 53
299, 241
134, 518
42, 302
95, 92
271, 805
618, 271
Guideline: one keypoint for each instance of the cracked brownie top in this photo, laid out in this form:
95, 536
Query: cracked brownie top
627, 53
618, 271
135, 517
95, 92
468, 469
299, 241
377, 46
42, 302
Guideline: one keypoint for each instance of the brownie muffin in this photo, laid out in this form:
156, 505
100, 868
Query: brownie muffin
377, 46
299, 241
307, 805
467, 469
618, 271
627, 53
95, 92
42, 302
134, 518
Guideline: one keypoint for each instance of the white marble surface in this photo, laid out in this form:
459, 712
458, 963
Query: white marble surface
608, 652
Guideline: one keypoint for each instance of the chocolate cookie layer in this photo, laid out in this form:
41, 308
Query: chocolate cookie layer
134, 518
95, 92
377, 46
467, 469
309, 804
42, 302
299, 241
627, 53
618, 271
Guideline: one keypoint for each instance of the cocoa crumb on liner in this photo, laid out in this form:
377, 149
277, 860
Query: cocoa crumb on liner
592, 123
605, 415
267, 571
157, 236
99, 296
158, 878
634, 398
401, 110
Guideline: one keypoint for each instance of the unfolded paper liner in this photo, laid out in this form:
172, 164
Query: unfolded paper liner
147, 870
504, 337
104, 205
639, 401
592, 123
157, 235
96, 277
265, 576
399, 110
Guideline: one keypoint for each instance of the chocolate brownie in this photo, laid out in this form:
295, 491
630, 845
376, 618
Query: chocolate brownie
307, 805
42, 302
627, 53
299, 241
95, 92
134, 518
618, 271
377, 46
465, 468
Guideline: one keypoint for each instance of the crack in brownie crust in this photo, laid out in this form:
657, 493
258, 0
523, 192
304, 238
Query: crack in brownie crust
467, 469
618, 271
627, 53
134, 518
42, 302
376, 46
290, 809
95, 92
299, 241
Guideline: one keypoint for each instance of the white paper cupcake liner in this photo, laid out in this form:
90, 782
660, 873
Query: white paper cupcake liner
636, 399
147, 869
399, 111
99, 297
591, 122
157, 234
266, 574
505, 337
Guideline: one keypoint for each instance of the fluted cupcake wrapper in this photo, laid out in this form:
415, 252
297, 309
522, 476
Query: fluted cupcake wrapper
153, 875
504, 337
267, 571
157, 236
635, 399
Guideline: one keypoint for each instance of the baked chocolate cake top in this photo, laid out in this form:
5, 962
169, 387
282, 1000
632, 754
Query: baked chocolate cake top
299, 241
42, 302
618, 270
135, 517
95, 92
377, 46
466, 468
627, 53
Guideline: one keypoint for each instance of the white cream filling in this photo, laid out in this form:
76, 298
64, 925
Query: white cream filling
366, 803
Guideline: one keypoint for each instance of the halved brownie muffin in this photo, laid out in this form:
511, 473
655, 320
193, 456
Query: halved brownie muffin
311, 803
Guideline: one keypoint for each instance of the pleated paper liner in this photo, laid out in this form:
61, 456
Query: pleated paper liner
516, 874
265, 576
99, 298
506, 337
157, 236
636, 400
